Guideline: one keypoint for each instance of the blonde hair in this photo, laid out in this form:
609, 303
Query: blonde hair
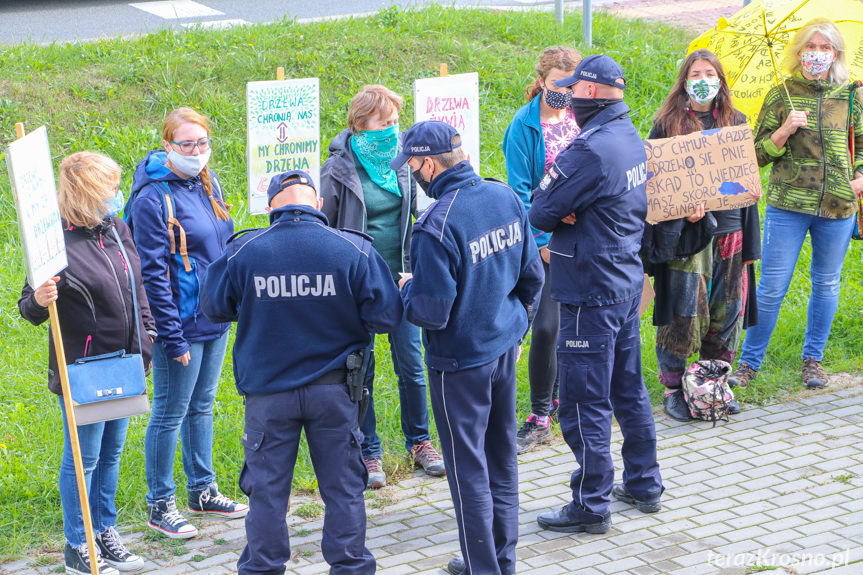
370, 100
87, 179
173, 121
559, 57
838, 73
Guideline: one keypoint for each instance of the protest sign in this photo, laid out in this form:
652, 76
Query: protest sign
284, 133
32, 175
454, 100
715, 168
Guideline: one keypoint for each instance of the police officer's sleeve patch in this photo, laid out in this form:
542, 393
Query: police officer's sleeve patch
552, 177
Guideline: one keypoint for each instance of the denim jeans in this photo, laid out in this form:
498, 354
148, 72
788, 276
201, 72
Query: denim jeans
101, 447
407, 356
784, 233
183, 405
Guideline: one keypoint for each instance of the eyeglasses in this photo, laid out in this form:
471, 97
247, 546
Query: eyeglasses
203, 145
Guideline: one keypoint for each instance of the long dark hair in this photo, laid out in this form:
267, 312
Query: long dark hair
673, 116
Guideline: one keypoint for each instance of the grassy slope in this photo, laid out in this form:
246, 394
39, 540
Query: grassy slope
112, 96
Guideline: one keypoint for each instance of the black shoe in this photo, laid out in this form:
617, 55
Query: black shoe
167, 520
209, 501
77, 561
649, 505
455, 566
675, 406
733, 407
562, 522
115, 553
531, 434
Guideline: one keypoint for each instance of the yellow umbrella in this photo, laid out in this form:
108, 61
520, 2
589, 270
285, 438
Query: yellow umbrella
751, 45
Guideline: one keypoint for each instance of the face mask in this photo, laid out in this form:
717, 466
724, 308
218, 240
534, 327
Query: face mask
115, 205
418, 178
557, 100
375, 149
585, 109
703, 90
190, 166
816, 63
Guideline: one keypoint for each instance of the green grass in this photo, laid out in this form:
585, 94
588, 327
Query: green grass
112, 96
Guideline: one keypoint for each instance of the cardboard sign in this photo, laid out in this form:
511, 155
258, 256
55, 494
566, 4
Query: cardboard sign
32, 175
714, 168
454, 100
647, 295
284, 133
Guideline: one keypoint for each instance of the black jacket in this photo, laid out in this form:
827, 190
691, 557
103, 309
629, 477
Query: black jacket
94, 304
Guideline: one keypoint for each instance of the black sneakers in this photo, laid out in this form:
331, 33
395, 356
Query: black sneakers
533, 433
649, 505
115, 553
167, 520
210, 502
78, 561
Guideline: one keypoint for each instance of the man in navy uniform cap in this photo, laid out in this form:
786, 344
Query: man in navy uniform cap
305, 298
593, 199
475, 282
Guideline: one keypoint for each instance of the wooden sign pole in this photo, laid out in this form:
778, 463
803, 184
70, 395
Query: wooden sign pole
444, 69
280, 73
70, 419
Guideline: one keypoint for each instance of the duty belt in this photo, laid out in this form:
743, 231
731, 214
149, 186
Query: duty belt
335, 377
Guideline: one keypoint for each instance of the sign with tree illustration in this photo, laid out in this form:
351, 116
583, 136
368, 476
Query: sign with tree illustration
284, 133
32, 175
714, 168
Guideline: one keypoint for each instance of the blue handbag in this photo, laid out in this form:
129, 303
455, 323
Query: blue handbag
112, 385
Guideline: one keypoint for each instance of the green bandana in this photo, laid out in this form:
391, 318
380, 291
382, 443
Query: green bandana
375, 149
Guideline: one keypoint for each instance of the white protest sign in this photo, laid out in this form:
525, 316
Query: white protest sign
454, 100
284, 133
714, 168
32, 176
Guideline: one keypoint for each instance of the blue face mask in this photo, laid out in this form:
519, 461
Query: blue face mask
115, 204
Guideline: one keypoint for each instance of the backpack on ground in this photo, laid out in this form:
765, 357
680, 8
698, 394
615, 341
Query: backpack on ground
706, 390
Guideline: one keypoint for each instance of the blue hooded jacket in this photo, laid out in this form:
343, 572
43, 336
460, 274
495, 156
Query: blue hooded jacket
476, 274
601, 177
524, 152
172, 290
303, 295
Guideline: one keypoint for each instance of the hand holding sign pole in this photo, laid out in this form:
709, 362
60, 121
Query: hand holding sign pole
32, 175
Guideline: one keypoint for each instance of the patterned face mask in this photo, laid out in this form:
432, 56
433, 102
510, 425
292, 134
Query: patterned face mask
703, 90
557, 100
816, 63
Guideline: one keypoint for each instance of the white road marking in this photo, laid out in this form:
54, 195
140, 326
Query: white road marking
173, 9
216, 24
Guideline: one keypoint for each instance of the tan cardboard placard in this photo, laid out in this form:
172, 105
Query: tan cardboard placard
715, 168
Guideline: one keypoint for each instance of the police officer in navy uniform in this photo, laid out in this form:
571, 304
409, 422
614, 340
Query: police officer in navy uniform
593, 199
476, 277
304, 296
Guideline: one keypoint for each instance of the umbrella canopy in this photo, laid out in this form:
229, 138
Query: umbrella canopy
751, 45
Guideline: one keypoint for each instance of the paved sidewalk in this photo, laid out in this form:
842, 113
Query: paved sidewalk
778, 485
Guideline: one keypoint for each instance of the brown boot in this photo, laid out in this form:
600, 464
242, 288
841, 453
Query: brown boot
742, 376
813, 374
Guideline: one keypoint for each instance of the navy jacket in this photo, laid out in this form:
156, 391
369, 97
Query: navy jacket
476, 271
172, 291
303, 295
601, 178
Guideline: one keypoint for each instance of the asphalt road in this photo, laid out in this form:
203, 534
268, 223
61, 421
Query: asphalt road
46, 21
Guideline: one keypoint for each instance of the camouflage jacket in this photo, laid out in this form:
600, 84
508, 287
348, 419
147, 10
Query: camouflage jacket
811, 174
